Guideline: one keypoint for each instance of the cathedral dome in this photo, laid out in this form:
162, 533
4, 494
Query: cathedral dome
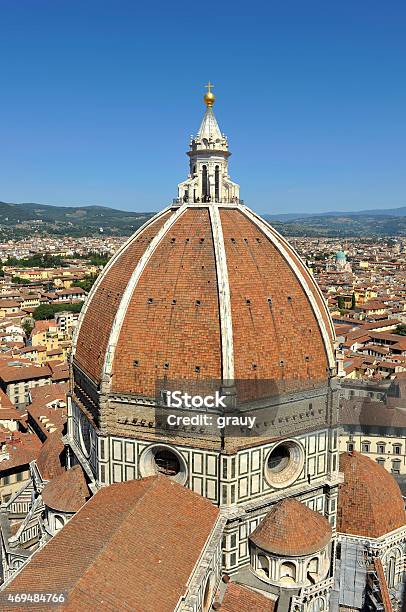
205, 290
292, 529
199, 292
370, 503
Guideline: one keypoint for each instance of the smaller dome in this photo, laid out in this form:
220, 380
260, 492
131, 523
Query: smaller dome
292, 529
340, 256
67, 492
370, 503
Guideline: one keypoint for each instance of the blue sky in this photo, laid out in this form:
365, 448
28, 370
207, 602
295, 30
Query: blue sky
98, 100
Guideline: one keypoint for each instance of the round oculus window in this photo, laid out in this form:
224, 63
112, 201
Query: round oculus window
284, 464
161, 459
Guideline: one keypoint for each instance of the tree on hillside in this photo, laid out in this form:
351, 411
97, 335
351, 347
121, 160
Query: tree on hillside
87, 283
47, 311
401, 330
27, 327
20, 281
353, 301
341, 302
37, 261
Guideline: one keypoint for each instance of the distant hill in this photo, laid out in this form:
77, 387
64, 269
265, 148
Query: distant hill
20, 220
381, 222
379, 212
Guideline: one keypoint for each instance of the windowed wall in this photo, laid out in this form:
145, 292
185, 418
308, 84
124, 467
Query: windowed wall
386, 448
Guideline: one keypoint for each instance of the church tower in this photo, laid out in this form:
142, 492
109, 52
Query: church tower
208, 291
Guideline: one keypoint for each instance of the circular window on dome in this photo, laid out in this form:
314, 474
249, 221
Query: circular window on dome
161, 459
284, 464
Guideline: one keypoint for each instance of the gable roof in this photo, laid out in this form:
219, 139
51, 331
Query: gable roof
133, 546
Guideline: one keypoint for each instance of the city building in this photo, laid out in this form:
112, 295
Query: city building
17, 379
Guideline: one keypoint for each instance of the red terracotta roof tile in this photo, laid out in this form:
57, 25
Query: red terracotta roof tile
133, 546
50, 458
370, 503
239, 598
68, 491
171, 325
291, 528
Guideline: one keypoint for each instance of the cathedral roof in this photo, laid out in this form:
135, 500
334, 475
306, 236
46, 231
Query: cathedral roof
292, 529
370, 503
133, 546
50, 459
239, 598
204, 292
67, 492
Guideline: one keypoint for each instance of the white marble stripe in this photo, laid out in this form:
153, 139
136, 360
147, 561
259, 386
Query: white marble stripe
127, 295
226, 324
105, 270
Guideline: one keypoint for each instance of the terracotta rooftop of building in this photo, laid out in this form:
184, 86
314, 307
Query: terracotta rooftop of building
290, 528
47, 418
370, 503
17, 373
368, 413
9, 304
239, 598
383, 585
67, 492
42, 326
20, 448
134, 546
49, 393
280, 325
55, 351
71, 291
7, 409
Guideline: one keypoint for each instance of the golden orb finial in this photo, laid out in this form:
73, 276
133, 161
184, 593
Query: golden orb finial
209, 97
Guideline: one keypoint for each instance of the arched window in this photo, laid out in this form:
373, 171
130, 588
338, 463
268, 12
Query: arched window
287, 573
217, 183
59, 522
205, 185
208, 594
263, 565
392, 577
317, 605
391, 572
313, 566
